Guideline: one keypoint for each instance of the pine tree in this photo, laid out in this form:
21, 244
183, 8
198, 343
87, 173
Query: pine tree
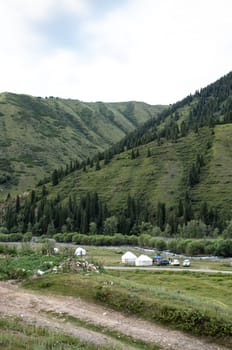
204, 213
55, 179
97, 165
161, 215
17, 204
188, 213
132, 154
44, 191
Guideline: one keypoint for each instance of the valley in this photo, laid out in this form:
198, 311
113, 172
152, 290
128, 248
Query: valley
109, 177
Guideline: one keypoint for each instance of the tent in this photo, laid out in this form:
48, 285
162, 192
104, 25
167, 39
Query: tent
143, 260
129, 258
80, 251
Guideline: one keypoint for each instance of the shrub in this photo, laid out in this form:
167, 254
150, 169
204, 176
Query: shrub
26, 248
27, 237
195, 247
188, 319
223, 247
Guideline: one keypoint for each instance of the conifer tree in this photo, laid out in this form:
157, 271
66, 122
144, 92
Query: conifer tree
55, 179
17, 204
97, 165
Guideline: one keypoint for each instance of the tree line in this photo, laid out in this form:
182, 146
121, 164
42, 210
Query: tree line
90, 215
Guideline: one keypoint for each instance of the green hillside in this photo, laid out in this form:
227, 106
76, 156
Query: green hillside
38, 135
216, 181
162, 175
172, 173
152, 179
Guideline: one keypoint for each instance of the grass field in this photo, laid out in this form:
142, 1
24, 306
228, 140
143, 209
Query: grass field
106, 256
196, 302
16, 334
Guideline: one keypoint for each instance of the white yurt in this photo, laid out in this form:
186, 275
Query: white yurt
143, 260
129, 258
80, 251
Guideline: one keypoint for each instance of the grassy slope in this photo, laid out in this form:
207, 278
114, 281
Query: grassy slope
37, 135
155, 178
216, 181
160, 177
147, 293
16, 334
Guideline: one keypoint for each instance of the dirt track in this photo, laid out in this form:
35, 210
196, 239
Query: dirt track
38, 309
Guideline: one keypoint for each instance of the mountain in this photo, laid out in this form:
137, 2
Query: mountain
172, 171
40, 134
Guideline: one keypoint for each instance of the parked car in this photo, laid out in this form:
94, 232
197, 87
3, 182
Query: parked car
175, 262
162, 262
186, 263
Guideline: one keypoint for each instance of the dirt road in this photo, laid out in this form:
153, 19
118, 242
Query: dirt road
43, 309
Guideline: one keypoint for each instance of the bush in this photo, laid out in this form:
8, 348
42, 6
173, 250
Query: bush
209, 247
59, 237
160, 244
17, 274
195, 247
8, 250
223, 247
144, 239
48, 247
27, 237
26, 248
172, 245
3, 229
12, 237
76, 238
132, 240
4, 238
67, 237
189, 319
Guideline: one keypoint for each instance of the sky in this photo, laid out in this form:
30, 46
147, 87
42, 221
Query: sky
156, 51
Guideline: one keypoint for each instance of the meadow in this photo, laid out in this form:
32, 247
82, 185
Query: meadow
196, 302
16, 334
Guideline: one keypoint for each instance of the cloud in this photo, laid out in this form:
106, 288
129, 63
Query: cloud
151, 50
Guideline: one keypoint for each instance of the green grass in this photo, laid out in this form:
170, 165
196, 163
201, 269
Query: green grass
39, 135
163, 176
112, 257
199, 303
216, 182
16, 334
104, 256
192, 301
160, 177
186, 286
200, 288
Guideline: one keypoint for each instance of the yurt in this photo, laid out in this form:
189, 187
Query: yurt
129, 258
80, 251
143, 260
